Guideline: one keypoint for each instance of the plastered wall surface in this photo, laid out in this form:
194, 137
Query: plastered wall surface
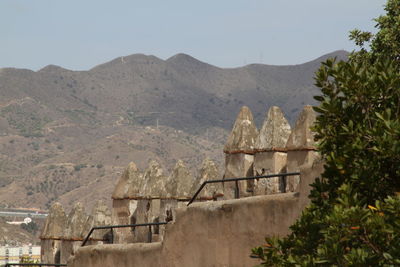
222, 233
118, 255
219, 233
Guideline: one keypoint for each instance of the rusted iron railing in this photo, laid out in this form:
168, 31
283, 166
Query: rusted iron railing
34, 264
236, 180
150, 234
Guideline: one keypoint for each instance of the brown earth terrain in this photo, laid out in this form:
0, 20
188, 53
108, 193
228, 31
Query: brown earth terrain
15, 235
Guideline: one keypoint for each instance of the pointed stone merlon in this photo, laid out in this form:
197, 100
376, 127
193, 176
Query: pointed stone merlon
301, 147
177, 187
208, 171
52, 233
148, 208
55, 224
243, 135
155, 181
76, 223
180, 182
101, 216
128, 190
74, 232
123, 212
274, 133
239, 154
130, 185
270, 156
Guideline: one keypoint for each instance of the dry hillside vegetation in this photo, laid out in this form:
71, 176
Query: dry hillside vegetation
14, 235
67, 135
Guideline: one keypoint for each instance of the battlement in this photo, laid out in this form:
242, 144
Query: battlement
152, 195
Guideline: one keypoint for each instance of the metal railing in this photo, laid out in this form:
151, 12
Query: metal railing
236, 180
237, 195
149, 236
34, 264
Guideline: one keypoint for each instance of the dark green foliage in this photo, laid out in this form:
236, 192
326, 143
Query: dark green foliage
354, 216
28, 124
80, 116
358, 127
31, 227
386, 42
52, 166
347, 235
35, 146
79, 167
28, 259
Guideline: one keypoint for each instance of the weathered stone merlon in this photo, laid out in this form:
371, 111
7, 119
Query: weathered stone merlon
179, 182
100, 216
74, 232
243, 135
270, 157
130, 185
300, 146
274, 132
302, 138
76, 223
155, 181
209, 171
55, 223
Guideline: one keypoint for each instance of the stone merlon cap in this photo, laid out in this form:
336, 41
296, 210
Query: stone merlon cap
76, 223
243, 134
208, 171
55, 224
274, 132
180, 182
100, 216
155, 181
302, 138
130, 185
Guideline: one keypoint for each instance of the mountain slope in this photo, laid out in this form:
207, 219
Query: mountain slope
67, 135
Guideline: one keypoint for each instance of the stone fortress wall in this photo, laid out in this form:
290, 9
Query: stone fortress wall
216, 230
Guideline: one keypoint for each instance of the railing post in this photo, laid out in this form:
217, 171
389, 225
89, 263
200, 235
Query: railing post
284, 180
87, 237
150, 235
112, 236
237, 189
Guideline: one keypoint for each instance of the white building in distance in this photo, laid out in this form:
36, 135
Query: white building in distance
9, 254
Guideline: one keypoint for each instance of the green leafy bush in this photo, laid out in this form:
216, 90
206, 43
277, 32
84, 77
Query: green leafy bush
31, 227
349, 234
28, 259
354, 216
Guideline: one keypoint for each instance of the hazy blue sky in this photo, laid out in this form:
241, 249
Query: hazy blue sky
79, 34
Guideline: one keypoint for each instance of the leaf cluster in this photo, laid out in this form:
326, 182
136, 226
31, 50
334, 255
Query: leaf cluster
348, 235
354, 216
28, 259
386, 42
358, 127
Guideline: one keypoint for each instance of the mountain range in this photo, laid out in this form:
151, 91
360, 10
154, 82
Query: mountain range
67, 135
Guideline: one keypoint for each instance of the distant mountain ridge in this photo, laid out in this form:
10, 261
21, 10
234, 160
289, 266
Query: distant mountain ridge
66, 135
202, 94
